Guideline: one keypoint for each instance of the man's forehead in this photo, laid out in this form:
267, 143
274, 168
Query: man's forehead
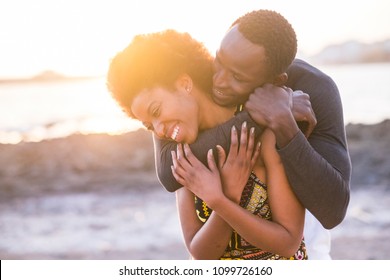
232, 38
234, 43
241, 53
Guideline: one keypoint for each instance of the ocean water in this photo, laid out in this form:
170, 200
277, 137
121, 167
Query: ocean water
42, 110
364, 90
34, 111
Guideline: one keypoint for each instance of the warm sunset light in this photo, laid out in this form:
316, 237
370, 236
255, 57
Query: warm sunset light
51, 39
78, 37
85, 185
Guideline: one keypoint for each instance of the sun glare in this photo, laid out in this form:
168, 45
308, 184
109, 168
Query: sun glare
79, 37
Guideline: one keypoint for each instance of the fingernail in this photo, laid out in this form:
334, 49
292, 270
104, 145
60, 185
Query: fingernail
244, 124
252, 130
234, 128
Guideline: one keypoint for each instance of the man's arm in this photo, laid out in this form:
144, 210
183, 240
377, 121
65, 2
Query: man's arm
319, 168
206, 140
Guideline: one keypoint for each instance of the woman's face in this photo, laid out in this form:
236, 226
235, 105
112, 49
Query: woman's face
172, 115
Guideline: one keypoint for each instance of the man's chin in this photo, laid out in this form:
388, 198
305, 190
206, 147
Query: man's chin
224, 101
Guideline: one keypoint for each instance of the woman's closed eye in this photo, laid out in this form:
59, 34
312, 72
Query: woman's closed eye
156, 111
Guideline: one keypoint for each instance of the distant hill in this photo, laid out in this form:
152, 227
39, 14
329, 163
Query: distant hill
45, 76
48, 75
354, 52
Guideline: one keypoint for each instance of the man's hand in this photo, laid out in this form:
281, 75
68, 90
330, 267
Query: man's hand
303, 112
270, 106
267, 104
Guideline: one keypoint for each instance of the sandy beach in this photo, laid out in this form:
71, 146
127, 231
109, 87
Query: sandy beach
97, 197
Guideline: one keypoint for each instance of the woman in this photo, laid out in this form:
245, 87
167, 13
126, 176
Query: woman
164, 80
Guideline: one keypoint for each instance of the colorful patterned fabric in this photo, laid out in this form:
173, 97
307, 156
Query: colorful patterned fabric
254, 198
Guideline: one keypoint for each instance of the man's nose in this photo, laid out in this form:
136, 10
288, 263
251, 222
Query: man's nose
220, 78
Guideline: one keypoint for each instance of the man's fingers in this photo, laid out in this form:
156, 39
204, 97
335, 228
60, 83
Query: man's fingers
312, 122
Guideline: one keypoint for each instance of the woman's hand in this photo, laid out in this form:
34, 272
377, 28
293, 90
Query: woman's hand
236, 168
195, 176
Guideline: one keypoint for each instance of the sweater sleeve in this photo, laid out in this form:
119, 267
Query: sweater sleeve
319, 168
206, 140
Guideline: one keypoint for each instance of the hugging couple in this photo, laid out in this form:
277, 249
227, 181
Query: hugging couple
252, 141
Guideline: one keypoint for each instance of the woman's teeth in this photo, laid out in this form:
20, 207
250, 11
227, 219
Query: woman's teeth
175, 133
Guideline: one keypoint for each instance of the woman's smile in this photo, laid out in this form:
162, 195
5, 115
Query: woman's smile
175, 132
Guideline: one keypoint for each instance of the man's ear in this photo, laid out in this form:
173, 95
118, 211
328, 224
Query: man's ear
281, 80
184, 82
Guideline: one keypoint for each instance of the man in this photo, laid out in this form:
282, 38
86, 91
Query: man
318, 167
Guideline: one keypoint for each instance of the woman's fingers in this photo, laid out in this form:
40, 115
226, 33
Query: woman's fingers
211, 161
251, 143
181, 157
243, 138
180, 164
178, 178
221, 156
177, 170
233, 141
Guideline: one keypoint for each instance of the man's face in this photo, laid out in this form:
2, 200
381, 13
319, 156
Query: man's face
239, 68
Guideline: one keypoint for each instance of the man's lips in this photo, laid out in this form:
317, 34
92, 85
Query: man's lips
218, 92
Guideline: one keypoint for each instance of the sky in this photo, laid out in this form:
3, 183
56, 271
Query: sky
78, 37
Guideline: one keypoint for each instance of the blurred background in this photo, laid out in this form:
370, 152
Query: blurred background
77, 178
